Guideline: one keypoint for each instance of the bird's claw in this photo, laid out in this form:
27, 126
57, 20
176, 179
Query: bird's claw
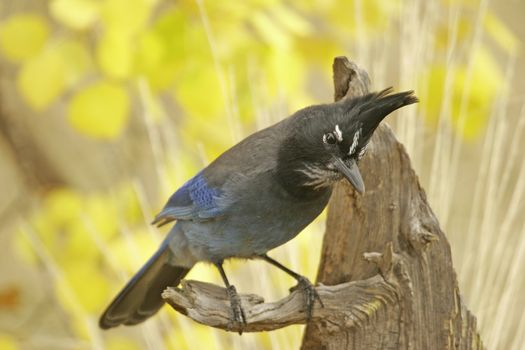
310, 295
238, 316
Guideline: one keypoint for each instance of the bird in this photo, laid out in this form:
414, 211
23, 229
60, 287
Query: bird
256, 196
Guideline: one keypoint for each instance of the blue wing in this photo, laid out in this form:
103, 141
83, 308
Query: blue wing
195, 200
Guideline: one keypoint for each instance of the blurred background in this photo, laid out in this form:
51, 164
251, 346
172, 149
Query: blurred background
108, 106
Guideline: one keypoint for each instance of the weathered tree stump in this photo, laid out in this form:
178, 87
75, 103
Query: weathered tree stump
386, 276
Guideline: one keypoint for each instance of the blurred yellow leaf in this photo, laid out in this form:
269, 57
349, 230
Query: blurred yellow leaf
75, 14
102, 214
447, 35
150, 52
478, 94
132, 253
358, 18
501, 33
63, 205
270, 31
121, 343
8, 342
22, 36
285, 74
127, 16
129, 208
184, 339
101, 110
197, 83
42, 79
76, 60
290, 19
79, 243
434, 82
470, 100
167, 42
87, 284
114, 54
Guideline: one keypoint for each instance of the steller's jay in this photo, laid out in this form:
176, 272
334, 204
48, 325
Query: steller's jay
257, 196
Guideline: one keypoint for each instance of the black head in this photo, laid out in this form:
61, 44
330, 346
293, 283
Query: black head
327, 141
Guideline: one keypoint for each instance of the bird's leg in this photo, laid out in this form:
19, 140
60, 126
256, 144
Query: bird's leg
239, 318
310, 294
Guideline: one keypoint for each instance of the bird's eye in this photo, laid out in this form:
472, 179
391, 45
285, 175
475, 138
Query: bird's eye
329, 138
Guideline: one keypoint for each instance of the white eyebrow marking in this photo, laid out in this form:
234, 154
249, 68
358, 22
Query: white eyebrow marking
362, 152
338, 133
355, 141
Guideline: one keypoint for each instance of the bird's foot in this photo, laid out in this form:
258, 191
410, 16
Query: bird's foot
238, 316
310, 295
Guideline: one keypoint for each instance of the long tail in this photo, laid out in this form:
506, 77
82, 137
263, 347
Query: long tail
141, 297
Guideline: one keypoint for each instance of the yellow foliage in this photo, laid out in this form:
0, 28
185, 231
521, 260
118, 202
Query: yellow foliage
78, 243
128, 205
8, 342
290, 20
101, 212
84, 279
62, 206
100, 110
126, 16
285, 74
131, 252
471, 93
501, 33
22, 36
159, 52
183, 339
75, 14
199, 92
270, 32
76, 60
204, 272
150, 52
356, 17
42, 79
476, 94
114, 54
446, 36
121, 343
47, 230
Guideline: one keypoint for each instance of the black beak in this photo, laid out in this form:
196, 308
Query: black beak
350, 170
